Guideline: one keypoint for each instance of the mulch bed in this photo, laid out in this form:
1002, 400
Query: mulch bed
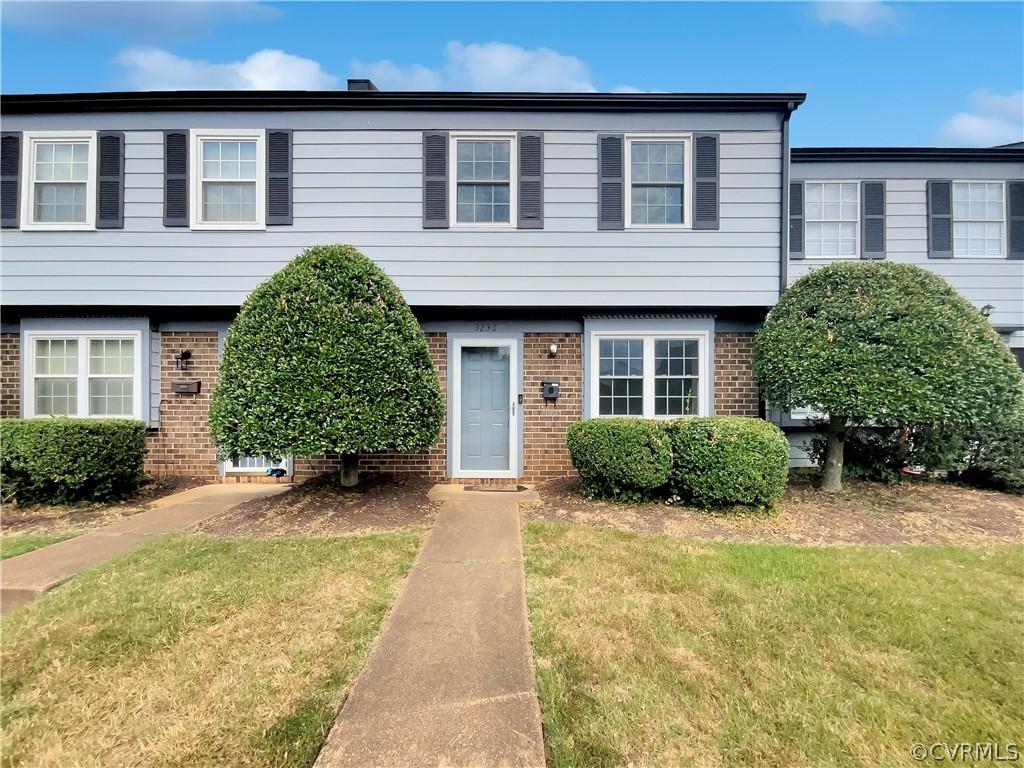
16, 518
319, 507
922, 512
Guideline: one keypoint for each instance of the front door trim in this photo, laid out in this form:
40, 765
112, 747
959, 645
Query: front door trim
456, 341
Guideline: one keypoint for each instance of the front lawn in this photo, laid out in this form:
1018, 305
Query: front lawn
197, 651
651, 650
13, 544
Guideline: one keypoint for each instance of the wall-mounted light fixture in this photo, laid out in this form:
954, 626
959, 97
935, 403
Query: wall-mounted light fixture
552, 350
183, 360
987, 310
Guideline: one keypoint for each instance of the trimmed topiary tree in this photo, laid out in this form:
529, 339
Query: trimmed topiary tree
886, 343
326, 357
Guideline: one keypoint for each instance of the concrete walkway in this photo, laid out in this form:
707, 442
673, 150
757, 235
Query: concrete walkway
450, 679
27, 576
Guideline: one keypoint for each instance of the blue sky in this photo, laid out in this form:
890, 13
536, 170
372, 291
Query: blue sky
875, 73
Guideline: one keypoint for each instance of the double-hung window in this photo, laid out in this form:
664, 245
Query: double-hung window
656, 172
978, 219
230, 180
484, 172
832, 218
60, 169
649, 375
95, 375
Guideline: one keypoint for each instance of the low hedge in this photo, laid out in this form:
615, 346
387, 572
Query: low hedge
65, 460
724, 461
619, 458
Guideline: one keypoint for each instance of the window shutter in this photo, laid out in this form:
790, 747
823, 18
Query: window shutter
110, 180
175, 178
705, 181
531, 180
796, 220
940, 219
435, 179
10, 167
872, 217
610, 195
1015, 219
279, 178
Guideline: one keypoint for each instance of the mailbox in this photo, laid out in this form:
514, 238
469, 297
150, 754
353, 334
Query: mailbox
185, 387
549, 389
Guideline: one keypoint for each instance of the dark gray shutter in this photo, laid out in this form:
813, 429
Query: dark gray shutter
1015, 219
10, 167
872, 215
610, 194
175, 178
796, 220
279, 178
435, 179
705, 181
110, 180
531, 180
940, 219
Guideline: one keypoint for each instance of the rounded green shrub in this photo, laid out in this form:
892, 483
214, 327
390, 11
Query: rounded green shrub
64, 460
724, 461
325, 357
619, 458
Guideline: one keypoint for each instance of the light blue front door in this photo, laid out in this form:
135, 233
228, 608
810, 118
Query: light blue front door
485, 408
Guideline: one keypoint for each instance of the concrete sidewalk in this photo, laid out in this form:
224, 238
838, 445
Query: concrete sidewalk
27, 576
450, 679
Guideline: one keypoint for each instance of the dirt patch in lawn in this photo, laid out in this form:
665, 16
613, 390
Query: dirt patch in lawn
320, 508
39, 518
865, 513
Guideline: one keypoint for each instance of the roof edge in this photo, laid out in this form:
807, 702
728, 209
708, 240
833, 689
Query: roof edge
904, 154
226, 101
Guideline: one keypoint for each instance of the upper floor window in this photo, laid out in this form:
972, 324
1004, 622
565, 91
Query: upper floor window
230, 180
656, 178
60, 170
832, 218
978, 218
484, 173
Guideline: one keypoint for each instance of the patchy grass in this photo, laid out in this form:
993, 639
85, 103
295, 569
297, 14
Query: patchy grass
197, 651
13, 544
655, 651
913, 512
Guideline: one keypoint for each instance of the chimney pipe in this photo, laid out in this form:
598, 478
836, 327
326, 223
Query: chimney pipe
361, 84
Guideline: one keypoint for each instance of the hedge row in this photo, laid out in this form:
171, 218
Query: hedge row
65, 460
717, 461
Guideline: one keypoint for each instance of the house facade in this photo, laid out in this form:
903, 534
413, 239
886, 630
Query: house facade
567, 255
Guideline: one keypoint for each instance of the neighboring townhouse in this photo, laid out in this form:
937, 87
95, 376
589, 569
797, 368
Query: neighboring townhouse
568, 255
956, 212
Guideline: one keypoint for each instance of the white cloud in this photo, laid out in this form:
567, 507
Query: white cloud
484, 67
154, 69
862, 15
994, 118
151, 20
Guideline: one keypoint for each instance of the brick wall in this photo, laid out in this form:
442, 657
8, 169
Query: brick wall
182, 445
545, 421
736, 391
10, 376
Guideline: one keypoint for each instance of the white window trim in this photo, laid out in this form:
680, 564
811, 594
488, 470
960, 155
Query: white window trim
82, 377
858, 224
953, 219
704, 371
231, 469
627, 173
453, 176
195, 192
28, 170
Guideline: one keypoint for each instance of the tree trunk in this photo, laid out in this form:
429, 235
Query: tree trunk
832, 479
348, 475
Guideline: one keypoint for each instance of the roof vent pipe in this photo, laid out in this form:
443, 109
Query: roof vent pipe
361, 85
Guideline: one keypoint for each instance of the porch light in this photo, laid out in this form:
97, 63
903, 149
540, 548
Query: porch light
552, 350
987, 310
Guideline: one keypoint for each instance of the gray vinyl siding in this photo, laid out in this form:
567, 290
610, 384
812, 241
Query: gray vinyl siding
357, 179
999, 282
